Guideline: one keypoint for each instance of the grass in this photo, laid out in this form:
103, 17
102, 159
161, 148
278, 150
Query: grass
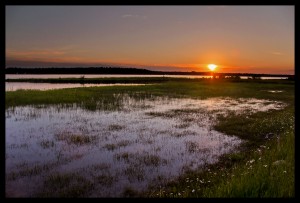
123, 156
110, 147
262, 178
118, 145
151, 160
82, 80
105, 98
74, 138
134, 172
29, 171
115, 127
262, 167
47, 144
105, 179
255, 128
65, 185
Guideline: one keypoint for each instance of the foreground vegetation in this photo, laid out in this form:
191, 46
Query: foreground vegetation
172, 87
262, 167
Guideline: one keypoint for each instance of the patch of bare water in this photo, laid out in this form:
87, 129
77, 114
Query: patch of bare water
13, 86
275, 91
146, 142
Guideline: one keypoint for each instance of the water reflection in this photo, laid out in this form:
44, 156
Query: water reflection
145, 142
44, 76
13, 86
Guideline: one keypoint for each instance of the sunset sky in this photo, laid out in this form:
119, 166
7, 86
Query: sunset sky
245, 39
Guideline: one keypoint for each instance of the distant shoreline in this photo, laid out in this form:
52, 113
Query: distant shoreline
126, 71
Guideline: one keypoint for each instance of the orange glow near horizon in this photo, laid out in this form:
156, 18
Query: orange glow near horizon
71, 57
238, 39
212, 67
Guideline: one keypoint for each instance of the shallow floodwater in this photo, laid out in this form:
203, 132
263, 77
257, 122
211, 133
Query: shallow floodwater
44, 76
147, 142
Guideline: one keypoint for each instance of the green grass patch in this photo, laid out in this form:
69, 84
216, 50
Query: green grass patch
93, 98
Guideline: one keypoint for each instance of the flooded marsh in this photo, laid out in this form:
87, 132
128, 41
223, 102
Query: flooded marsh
107, 152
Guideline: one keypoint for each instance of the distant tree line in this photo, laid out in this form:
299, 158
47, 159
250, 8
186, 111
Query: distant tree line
95, 70
129, 71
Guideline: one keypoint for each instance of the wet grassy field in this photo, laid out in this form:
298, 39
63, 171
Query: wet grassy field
174, 138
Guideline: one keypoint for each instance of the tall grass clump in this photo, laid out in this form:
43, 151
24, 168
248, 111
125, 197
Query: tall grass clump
270, 172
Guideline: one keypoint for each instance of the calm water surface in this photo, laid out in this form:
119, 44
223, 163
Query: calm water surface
145, 142
18, 76
13, 86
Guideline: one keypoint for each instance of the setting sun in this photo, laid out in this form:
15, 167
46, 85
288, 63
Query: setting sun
212, 67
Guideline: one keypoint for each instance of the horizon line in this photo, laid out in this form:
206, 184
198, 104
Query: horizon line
154, 71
